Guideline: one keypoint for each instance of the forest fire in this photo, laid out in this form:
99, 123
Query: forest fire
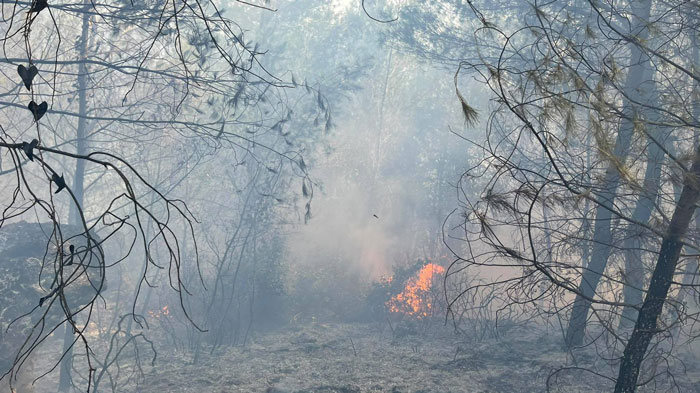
417, 298
164, 312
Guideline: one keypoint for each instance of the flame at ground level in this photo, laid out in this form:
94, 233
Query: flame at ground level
164, 312
416, 298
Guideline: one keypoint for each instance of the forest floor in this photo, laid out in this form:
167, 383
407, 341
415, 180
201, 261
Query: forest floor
369, 358
356, 358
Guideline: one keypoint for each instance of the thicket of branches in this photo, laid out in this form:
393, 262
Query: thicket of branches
591, 152
106, 108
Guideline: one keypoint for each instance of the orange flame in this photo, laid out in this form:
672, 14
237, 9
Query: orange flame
164, 312
416, 299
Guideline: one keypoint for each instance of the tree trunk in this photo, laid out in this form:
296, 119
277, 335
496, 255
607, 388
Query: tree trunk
78, 186
645, 327
634, 268
639, 71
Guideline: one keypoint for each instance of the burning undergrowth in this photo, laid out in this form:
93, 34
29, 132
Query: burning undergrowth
413, 293
418, 297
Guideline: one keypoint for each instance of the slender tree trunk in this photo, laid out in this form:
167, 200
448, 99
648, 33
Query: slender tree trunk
78, 186
634, 268
586, 227
639, 71
380, 128
646, 325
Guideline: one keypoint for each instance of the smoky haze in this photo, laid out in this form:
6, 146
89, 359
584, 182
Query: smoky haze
349, 196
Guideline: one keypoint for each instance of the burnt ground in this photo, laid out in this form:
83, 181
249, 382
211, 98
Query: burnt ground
320, 358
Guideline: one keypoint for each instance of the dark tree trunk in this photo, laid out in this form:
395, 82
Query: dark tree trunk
645, 327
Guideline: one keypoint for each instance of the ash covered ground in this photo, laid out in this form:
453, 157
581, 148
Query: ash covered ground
363, 357
354, 358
